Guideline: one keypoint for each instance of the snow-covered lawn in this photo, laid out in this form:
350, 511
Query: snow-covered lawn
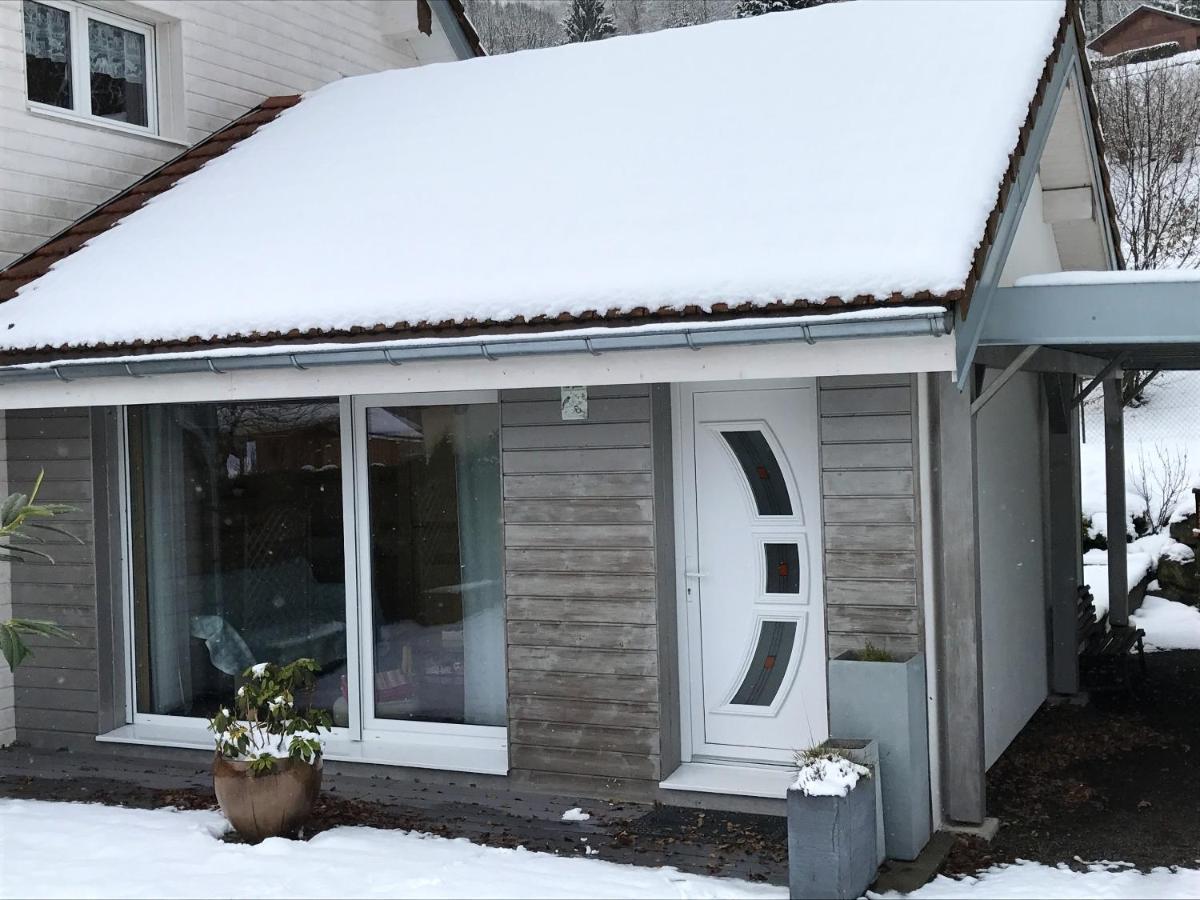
1034, 880
88, 850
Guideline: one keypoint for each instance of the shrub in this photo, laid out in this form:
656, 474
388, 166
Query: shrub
265, 724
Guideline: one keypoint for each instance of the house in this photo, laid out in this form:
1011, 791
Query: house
574, 438
1150, 27
98, 95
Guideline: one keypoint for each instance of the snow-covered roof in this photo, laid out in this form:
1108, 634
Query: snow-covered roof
852, 151
1124, 276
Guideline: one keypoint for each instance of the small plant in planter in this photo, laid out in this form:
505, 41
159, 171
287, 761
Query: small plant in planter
267, 766
827, 772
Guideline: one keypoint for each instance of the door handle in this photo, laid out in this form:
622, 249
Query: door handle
695, 574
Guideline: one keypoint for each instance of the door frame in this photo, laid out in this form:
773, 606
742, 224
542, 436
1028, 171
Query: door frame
683, 468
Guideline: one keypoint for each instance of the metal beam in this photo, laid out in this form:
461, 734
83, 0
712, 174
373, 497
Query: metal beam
1110, 368
1114, 481
1002, 379
1062, 533
1047, 359
1078, 315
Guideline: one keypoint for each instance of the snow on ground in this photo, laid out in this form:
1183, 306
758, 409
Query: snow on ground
1169, 624
1164, 431
1034, 880
371, 201
88, 850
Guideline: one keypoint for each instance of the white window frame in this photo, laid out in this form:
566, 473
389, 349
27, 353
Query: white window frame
81, 69
433, 745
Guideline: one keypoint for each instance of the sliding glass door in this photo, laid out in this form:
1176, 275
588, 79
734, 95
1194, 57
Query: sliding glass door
431, 553
365, 533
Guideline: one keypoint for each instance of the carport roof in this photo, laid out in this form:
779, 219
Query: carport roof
1151, 319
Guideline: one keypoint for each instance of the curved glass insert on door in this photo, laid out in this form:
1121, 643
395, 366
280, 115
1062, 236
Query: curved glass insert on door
762, 471
767, 668
783, 568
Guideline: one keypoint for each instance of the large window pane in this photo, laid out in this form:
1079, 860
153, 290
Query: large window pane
238, 549
118, 73
437, 593
48, 54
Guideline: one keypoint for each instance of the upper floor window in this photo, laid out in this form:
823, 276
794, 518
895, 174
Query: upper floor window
89, 62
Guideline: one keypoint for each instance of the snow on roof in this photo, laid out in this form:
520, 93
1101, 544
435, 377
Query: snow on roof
1126, 276
853, 150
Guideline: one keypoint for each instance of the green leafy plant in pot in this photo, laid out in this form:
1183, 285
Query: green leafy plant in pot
267, 766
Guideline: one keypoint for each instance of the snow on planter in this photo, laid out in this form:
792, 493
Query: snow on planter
829, 775
851, 150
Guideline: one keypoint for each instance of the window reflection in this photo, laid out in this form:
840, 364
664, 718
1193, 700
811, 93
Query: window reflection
238, 548
436, 568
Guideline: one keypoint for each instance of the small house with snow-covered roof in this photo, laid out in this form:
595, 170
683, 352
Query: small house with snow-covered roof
575, 408
1148, 27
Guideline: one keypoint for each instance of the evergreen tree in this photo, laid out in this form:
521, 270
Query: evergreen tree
588, 20
748, 8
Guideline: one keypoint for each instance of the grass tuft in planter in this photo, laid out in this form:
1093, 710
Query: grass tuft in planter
267, 767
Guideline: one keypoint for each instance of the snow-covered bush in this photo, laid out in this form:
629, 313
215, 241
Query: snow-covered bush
265, 726
1161, 483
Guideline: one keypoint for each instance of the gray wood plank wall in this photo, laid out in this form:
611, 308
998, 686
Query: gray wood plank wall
57, 698
580, 539
871, 514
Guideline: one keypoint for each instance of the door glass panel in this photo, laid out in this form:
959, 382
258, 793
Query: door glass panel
118, 73
762, 471
783, 568
47, 54
436, 563
767, 668
237, 549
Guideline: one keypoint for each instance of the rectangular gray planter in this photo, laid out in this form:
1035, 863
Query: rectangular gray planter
885, 702
832, 842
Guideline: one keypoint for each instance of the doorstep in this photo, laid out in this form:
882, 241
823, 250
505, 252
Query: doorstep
768, 782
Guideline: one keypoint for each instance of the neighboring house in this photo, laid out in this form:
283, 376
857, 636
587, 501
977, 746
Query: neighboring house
1147, 27
95, 95
573, 461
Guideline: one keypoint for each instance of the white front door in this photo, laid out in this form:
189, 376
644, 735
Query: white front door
752, 582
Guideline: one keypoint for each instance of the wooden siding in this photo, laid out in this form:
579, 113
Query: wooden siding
582, 581
869, 499
227, 58
57, 697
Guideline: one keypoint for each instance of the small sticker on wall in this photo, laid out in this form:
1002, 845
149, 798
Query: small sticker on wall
574, 402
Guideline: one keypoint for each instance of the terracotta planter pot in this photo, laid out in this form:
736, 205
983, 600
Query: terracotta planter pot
271, 805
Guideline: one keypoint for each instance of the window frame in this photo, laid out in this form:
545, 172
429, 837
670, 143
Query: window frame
434, 745
81, 68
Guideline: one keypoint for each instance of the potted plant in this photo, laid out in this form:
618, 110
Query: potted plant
831, 826
881, 696
267, 766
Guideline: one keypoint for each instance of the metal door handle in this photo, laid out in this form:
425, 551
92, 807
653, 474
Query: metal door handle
695, 574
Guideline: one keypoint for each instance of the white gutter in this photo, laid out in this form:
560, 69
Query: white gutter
876, 322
